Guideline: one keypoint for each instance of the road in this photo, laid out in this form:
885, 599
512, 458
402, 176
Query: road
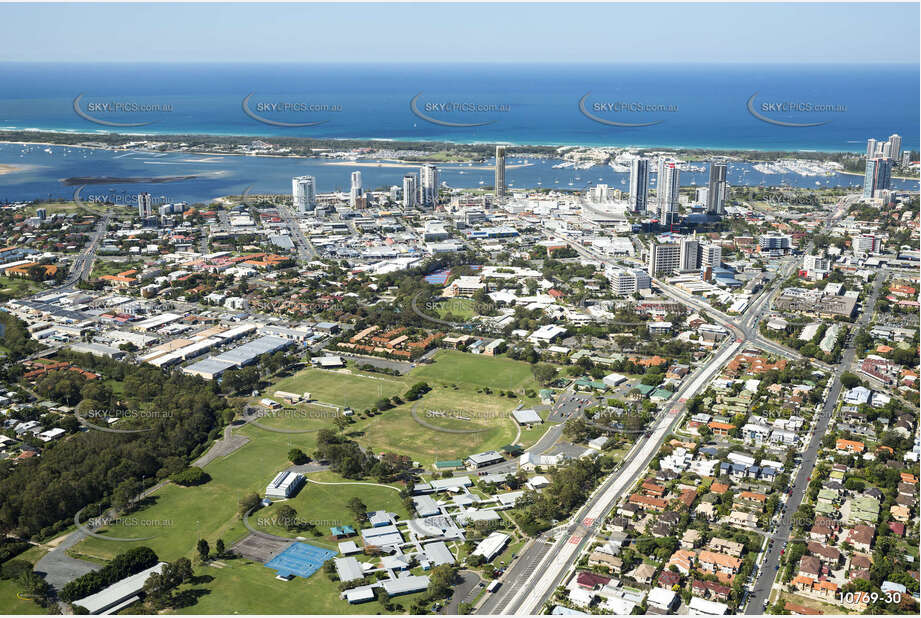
83, 264
305, 250
541, 568
771, 563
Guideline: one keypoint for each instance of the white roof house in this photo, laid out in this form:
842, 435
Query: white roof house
703, 607
547, 333
527, 417
491, 546
348, 569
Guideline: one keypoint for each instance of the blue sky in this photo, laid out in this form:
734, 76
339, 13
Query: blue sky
537, 33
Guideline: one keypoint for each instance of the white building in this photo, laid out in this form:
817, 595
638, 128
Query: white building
410, 191
304, 193
663, 258
428, 185
667, 191
356, 189
627, 281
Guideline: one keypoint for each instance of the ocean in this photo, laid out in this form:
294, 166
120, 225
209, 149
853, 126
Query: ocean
707, 106
682, 105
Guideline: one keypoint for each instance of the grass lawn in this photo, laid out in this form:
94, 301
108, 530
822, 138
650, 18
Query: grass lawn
12, 604
14, 287
112, 267
245, 587
327, 505
826, 608
461, 309
341, 389
396, 431
453, 367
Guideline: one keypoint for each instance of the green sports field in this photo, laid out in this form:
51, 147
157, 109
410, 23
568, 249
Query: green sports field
475, 370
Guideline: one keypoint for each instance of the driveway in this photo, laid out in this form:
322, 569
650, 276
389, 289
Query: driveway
464, 590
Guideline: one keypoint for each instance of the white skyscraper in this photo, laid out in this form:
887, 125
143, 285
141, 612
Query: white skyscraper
687, 254
356, 190
428, 181
639, 185
144, 207
871, 148
667, 191
410, 191
304, 194
895, 146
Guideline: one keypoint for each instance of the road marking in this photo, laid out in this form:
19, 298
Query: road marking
588, 521
574, 539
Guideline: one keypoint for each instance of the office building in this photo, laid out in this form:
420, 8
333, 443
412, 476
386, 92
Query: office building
816, 263
639, 185
144, 205
711, 256
687, 254
304, 194
625, 281
410, 191
774, 241
877, 177
866, 243
41, 213
716, 189
428, 181
667, 191
500, 171
663, 258
356, 190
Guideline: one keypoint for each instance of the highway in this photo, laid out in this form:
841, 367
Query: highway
83, 264
542, 565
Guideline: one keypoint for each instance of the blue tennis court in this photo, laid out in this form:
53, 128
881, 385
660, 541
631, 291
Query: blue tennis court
438, 277
300, 559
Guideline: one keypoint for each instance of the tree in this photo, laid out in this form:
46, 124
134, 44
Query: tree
248, 503
192, 475
219, 548
287, 517
358, 509
544, 373
203, 549
125, 493
849, 380
297, 457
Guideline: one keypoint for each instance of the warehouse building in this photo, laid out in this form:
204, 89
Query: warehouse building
120, 594
284, 485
